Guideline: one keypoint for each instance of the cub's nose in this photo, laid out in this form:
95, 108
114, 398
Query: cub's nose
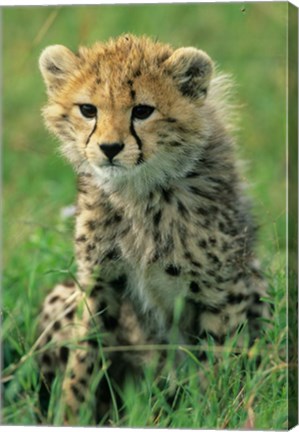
111, 150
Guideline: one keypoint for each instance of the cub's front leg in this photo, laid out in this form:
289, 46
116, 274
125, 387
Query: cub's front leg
102, 280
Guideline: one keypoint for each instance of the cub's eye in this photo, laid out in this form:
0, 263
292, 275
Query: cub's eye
142, 112
88, 110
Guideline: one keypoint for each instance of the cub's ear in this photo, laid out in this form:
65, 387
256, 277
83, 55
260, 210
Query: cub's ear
56, 63
191, 70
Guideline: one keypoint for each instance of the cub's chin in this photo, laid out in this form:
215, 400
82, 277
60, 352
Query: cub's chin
108, 171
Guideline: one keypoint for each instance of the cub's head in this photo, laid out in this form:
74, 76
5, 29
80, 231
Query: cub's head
128, 106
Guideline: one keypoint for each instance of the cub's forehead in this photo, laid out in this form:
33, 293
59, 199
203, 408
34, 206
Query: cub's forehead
125, 58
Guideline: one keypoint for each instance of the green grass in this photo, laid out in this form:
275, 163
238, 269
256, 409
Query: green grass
246, 40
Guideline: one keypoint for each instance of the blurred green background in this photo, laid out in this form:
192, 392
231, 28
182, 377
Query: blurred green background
247, 40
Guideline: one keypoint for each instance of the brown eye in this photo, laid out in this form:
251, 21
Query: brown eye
142, 112
88, 110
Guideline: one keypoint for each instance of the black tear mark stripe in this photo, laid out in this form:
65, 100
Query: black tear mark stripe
92, 132
133, 132
138, 141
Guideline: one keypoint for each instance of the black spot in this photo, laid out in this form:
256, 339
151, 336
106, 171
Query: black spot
119, 284
47, 359
176, 143
213, 258
212, 241
130, 82
113, 255
83, 382
173, 270
253, 315
133, 94
64, 354
192, 174
202, 211
73, 375
215, 309
91, 225
90, 369
90, 247
102, 306
202, 356
157, 218
57, 325
96, 289
220, 279
237, 298
110, 323
81, 189
78, 395
219, 339
167, 194
117, 218
256, 298
49, 377
53, 299
82, 238
182, 209
93, 343
202, 244
189, 257
70, 314
170, 120
137, 73
194, 287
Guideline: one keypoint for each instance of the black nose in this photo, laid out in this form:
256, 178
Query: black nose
111, 150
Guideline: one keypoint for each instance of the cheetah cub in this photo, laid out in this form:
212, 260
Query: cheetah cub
161, 214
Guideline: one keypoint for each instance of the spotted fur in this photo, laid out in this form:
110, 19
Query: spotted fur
161, 211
